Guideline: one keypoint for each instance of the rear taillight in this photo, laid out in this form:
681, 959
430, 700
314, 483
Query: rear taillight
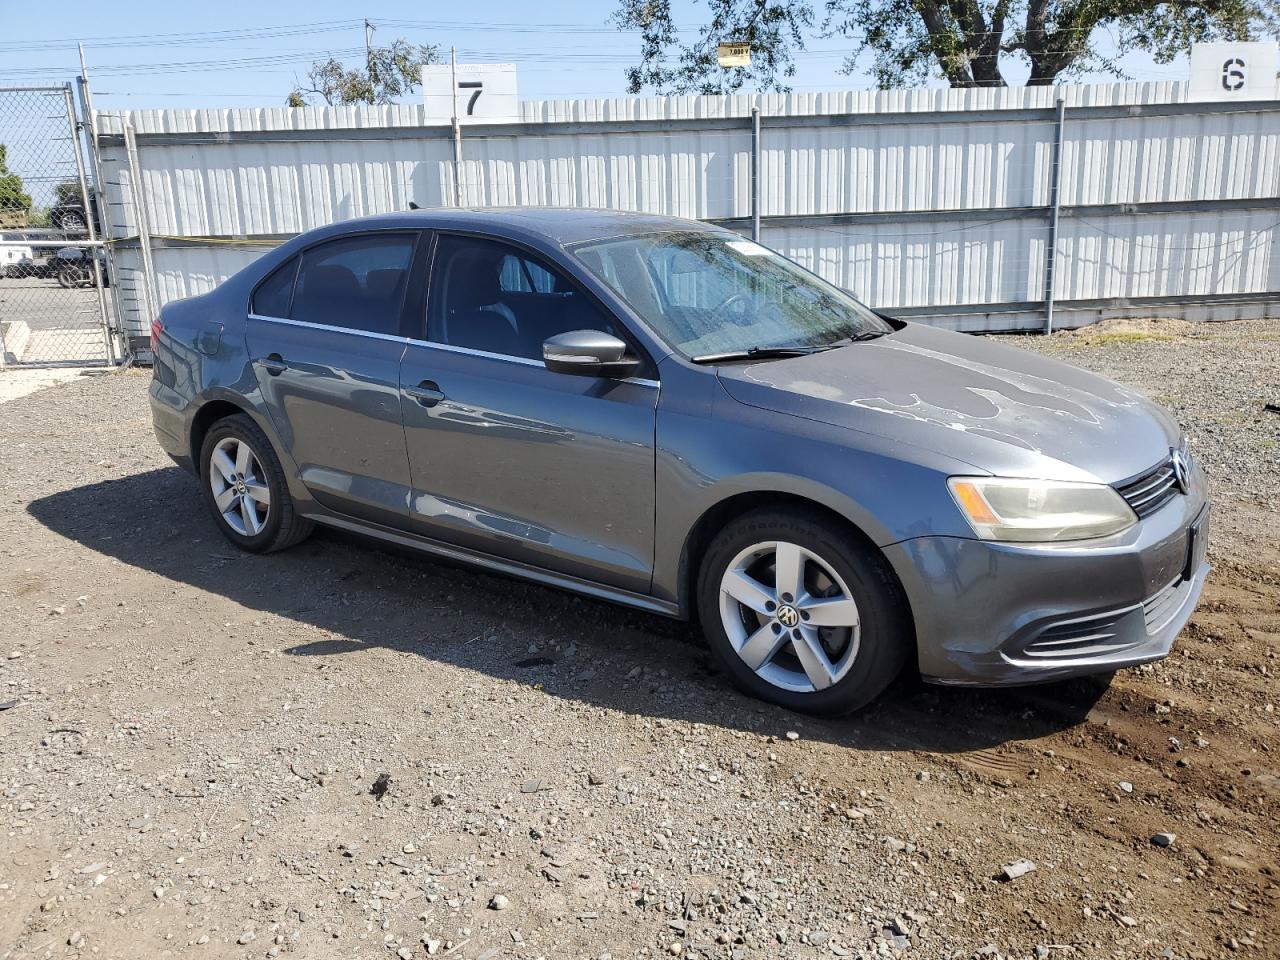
157, 328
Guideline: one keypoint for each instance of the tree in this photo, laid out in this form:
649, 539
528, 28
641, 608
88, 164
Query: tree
968, 43
15, 202
67, 192
774, 28
389, 72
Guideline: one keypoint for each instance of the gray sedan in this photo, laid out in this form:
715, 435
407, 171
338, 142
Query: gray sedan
666, 415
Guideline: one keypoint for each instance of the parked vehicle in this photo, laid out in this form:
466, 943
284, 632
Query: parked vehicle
16, 255
70, 218
660, 413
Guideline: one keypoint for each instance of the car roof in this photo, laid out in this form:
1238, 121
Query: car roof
560, 225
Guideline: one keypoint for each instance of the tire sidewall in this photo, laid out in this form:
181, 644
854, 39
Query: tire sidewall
244, 430
885, 630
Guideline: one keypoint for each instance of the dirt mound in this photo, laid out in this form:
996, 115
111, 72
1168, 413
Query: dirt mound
1137, 329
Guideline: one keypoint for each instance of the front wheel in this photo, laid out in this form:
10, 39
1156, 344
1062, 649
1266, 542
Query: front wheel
245, 488
802, 613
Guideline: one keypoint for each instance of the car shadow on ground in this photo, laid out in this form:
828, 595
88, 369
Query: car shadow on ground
365, 596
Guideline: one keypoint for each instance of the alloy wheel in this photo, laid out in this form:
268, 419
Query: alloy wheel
789, 616
239, 486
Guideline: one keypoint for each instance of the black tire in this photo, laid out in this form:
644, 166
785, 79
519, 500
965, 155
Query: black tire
887, 635
72, 222
283, 526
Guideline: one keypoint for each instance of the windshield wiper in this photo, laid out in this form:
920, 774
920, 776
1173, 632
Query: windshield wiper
757, 353
861, 337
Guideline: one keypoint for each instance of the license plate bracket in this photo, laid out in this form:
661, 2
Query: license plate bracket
1197, 545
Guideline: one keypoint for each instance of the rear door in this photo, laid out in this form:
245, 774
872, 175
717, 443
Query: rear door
325, 337
507, 457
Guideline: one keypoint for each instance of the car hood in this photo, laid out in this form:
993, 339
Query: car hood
998, 408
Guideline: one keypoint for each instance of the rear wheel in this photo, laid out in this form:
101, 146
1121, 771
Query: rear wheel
245, 488
801, 614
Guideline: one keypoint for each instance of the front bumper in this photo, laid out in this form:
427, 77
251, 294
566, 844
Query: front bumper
1008, 614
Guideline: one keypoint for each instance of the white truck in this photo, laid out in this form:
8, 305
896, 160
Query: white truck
17, 256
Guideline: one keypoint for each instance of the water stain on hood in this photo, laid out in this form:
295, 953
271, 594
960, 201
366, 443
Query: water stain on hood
995, 406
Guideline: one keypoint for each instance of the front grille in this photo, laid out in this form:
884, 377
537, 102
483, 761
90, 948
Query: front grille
1152, 490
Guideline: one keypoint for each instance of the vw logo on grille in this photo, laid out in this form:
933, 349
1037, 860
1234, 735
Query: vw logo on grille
1181, 475
787, 616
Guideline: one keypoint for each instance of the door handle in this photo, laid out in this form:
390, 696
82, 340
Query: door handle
427, 393
273, 364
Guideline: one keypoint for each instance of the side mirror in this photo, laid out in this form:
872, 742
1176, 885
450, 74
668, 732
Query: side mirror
588, 353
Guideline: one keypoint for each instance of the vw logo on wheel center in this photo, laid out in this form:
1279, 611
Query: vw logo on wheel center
787, 616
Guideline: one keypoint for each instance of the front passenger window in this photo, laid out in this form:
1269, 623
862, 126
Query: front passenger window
356, 282
491, 297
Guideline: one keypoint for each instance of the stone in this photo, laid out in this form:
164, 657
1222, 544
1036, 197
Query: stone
1164, 839
499, 902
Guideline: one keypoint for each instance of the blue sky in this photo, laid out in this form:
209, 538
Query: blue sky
145, 53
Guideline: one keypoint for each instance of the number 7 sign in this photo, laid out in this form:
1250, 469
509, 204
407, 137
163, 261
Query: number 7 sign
484, 93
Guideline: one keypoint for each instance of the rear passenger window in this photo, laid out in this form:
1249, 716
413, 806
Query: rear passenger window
272, 297
356, 282
488, 296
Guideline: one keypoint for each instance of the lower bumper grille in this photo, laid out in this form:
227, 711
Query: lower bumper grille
1071, 638
1158, 610
1109, 632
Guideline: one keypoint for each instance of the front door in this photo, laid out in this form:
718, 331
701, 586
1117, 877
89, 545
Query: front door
325, 339
508, 458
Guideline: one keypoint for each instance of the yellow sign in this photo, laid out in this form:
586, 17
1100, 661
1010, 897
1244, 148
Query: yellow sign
734, 54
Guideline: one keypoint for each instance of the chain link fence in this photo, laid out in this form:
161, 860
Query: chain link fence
53, 268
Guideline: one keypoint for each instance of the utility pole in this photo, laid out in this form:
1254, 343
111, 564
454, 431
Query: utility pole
368, 56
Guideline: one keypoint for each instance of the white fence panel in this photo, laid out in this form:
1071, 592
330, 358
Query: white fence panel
934, 203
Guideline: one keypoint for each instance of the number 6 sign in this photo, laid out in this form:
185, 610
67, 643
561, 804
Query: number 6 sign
485, 93
1233, 71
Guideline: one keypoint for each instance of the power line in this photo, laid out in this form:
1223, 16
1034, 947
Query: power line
180, 39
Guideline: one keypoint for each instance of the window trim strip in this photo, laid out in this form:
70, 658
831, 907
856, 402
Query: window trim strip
329, 327
448, 347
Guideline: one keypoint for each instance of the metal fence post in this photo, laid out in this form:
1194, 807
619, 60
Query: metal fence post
120, 344
755, 174
1055, 187
143, 225
103, 316
457, 130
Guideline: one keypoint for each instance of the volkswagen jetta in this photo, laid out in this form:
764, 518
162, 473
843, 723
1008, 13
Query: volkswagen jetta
663, 414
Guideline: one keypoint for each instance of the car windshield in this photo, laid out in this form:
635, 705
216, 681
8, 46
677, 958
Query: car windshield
709, 294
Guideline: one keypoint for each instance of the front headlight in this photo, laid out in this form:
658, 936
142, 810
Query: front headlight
1000, 508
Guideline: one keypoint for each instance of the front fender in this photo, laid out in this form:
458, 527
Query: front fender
710, 452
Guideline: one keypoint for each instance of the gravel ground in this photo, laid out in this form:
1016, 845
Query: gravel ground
343, 752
